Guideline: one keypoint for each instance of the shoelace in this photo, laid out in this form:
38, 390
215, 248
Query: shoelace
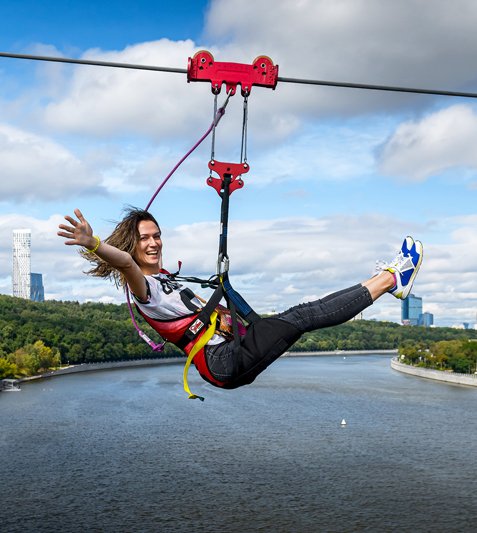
402, 262
379, 267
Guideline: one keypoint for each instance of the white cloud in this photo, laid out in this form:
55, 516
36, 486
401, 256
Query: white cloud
103, 101
277, 263
440, 141
319, 39
36, 168
367, 41
330, 37
309, 39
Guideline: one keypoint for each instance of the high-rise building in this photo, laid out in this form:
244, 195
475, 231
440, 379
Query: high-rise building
411, 309
21, 263
426, 319
37, 292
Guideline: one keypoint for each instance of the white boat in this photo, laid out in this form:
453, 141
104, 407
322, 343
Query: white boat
9, 385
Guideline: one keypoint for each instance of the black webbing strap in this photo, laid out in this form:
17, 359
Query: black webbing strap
202, 319
232, 297
224, 216
224, 289
186, 297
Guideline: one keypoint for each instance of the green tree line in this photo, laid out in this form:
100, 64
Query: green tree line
37, 336
376, 335
458, 355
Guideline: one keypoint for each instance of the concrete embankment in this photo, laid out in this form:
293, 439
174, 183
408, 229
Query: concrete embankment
94, 367
438, 375
341, 352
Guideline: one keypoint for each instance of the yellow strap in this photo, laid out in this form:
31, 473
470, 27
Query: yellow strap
203, 340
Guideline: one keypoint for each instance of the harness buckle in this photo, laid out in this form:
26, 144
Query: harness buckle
222, 264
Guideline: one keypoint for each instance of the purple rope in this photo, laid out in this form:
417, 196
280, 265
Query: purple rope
216, 120
155, 347
159, 347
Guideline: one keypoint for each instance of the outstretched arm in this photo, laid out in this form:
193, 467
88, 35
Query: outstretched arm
78, 232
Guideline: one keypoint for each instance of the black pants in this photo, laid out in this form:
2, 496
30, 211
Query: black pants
269, 338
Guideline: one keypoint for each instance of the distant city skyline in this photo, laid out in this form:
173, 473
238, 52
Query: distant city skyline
412, 314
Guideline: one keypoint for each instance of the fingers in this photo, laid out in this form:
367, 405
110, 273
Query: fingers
71, 220
66, 228
76, 230
69, 236
66, 236
81, 225
79, 214
69, 231
70, 243
73, 223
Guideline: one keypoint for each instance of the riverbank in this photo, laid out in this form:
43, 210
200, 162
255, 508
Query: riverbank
95, 367
437, 375
340, 352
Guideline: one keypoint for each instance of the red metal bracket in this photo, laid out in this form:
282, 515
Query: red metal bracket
234, 170
261, 72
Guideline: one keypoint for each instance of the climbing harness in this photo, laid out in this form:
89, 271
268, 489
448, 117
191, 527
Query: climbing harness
225, 178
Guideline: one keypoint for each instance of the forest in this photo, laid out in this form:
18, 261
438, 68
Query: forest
458, 355
38, 336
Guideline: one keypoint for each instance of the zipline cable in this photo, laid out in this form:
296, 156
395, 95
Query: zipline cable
371, 87
366, 86
93, 62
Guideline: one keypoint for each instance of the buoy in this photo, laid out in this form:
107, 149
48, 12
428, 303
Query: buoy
343, 423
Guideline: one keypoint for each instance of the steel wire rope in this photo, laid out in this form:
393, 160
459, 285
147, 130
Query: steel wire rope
348, 85
243, 149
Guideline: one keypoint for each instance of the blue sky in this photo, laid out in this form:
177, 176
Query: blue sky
338, 176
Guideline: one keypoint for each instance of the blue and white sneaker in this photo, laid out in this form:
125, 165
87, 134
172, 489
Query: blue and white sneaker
382, 266
405, 267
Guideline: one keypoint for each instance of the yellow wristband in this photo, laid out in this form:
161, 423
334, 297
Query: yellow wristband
98, 242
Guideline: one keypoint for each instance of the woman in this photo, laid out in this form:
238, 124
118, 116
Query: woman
132, 255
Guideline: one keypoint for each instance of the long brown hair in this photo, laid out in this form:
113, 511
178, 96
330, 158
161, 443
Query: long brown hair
125, 237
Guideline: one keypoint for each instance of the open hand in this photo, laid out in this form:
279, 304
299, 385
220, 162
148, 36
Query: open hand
79, 231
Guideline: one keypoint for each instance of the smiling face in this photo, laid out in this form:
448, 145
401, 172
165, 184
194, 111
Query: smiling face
148, 252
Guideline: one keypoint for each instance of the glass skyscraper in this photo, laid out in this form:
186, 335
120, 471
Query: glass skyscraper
411, 310
37, 292
426, 320
26, 284
21, 263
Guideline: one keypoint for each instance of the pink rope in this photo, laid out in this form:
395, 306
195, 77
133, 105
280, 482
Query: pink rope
155, 347
216, 120
159, 347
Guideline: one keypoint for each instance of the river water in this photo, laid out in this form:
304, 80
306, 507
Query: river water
125, 451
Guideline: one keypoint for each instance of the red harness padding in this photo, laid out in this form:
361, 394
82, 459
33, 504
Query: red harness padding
173, 331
